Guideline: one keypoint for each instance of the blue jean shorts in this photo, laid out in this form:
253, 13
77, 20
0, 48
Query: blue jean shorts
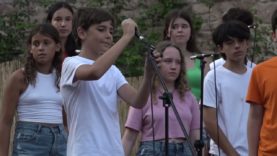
35, 139
174, 149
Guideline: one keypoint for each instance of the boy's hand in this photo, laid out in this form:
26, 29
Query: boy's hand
128, 26
149, 71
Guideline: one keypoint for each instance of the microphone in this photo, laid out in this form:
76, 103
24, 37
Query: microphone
201, 56
142, 39
254, 26
138, 34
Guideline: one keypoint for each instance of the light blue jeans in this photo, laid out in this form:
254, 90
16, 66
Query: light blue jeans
174, 149
35, 139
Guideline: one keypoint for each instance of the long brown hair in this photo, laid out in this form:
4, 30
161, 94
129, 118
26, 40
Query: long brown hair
181, 84
30, 67
70, 45
171, 17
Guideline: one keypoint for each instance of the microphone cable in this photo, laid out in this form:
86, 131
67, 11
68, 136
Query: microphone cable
254, 27
152, 113
216, 105
152, 82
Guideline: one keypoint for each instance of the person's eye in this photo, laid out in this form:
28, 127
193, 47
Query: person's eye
58, 19
46, 42
35, 43
185, 26
68, 19
112, 32
101, 29
167, 60
229, 42
174, 26
240, 40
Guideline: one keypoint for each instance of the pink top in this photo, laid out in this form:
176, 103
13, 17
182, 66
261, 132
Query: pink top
188, 109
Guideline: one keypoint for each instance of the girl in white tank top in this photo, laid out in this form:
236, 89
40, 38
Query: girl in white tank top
34, 94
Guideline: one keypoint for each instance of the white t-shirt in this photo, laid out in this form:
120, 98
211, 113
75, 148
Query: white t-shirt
91, 108
232, 108
221, 61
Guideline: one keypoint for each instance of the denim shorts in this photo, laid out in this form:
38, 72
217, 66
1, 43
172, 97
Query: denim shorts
174, 149
35, 139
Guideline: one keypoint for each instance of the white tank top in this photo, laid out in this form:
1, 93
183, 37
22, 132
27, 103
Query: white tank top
42, 102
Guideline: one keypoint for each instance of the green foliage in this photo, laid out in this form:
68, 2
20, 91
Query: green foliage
208, 3
13, 27
45, 3
262, 45
131, 62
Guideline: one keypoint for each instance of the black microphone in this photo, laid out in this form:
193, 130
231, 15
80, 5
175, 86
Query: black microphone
143, 40
138, 34
201, 56
254, 26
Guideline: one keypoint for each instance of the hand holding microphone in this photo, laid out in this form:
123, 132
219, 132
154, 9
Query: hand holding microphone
143, 40
202, 56
128, 26
138, 34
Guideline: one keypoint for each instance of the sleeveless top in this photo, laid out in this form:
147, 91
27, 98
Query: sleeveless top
194, 79
41, 102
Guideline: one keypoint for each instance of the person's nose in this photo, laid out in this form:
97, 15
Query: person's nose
237, 44
179, 29
173, 65
109, 35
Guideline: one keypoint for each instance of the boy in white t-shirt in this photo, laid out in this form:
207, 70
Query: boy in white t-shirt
225, 90
239, 14
91, 85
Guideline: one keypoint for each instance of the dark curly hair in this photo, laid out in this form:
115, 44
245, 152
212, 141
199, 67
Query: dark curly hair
30, 67
228, 30
239, 14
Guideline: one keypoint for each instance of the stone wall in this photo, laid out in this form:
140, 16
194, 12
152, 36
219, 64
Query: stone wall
262, 9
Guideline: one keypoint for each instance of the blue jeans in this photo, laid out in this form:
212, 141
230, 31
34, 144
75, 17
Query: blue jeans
35, 139
174, 149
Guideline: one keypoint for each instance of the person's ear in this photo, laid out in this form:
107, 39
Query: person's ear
220, 49
81, 33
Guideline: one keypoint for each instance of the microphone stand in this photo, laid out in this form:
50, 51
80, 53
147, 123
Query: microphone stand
199, 144
166, 97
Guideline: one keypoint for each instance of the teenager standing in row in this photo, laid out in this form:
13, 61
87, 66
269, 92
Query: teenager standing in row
33, 93
173, 71
224, 95
60, 15
91, 85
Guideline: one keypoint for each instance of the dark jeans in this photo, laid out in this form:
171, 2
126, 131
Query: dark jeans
174, 149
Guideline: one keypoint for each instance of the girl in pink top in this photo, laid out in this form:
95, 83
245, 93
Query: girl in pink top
172, 69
